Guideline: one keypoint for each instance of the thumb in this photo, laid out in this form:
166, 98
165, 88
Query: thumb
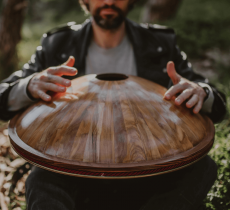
172, 73
70, 62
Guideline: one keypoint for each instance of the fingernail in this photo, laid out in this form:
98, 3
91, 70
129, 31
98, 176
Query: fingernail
67, 82
178, 100
167, 96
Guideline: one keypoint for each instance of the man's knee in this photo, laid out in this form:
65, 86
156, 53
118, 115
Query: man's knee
46, 190
36, 177
208, 169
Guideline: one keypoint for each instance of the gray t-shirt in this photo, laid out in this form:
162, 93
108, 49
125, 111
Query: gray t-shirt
119, 59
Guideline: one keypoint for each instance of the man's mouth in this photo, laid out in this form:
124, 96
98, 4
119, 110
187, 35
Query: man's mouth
108, 11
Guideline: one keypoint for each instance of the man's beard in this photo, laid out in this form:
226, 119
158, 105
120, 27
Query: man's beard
109, 23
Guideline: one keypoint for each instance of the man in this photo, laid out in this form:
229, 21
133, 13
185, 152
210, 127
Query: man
111, 43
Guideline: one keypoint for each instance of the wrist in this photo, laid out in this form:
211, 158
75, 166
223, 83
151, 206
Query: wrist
209, 99
30, 95
207, 91
28, 92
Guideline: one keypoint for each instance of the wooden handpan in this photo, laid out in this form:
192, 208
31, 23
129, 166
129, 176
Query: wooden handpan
111, 126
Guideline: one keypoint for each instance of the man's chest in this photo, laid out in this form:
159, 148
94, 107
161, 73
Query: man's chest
119, 59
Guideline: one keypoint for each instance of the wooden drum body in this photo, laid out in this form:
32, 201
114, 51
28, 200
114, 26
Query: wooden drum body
110, 126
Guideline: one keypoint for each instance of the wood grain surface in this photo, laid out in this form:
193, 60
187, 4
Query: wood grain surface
111, 126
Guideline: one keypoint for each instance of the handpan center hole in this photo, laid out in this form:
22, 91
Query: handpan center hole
111, 77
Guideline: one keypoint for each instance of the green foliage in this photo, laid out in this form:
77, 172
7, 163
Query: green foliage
9, 68
57, 8
1, 7
201, 25
135, 13
219, 196
223, 77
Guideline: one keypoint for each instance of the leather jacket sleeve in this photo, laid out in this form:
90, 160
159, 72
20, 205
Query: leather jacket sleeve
36, 64
185, 70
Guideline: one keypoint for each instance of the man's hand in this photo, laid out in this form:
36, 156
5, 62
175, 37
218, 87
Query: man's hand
51, 80
186, 89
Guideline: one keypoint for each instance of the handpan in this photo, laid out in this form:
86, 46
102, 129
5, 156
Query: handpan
111, 126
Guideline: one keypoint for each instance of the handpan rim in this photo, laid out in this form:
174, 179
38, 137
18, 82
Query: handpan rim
196, 152
101, 175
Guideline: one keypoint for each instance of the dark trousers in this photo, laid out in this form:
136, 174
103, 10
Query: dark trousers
180, 190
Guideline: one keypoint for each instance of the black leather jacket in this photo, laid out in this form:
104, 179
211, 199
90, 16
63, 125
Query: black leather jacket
153, 48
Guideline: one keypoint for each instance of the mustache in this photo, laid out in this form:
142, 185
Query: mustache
109, 7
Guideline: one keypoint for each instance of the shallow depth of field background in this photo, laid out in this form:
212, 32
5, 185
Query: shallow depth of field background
203, 29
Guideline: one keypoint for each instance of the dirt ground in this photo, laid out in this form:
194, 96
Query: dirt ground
12, 193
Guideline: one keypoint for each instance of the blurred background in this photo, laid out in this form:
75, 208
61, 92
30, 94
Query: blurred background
203, 33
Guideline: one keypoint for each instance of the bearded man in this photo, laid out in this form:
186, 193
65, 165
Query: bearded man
107, 43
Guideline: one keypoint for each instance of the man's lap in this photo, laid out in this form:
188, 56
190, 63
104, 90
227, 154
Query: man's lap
182, 189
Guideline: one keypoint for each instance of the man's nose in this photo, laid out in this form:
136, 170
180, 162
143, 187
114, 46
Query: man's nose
109, 2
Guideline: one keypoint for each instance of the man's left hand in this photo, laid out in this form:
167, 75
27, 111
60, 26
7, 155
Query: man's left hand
186, 89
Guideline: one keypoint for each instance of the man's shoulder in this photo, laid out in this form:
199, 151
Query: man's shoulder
148, 32
64, 31
157, 28
151, 27
70, 26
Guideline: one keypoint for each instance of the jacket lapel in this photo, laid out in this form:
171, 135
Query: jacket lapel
81, 41
146, 47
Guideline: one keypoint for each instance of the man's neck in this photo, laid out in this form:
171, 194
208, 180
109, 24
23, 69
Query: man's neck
108, 38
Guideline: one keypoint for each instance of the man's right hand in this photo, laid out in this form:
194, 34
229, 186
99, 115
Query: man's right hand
51, 80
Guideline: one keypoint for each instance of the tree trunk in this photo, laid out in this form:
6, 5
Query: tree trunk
159, 10
10, 34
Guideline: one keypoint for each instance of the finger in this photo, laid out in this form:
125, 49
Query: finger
52, 87
62, 70
172, 73
186, 94
70, 62
198, 107
43, 96
56, 79
192, 101
173, 91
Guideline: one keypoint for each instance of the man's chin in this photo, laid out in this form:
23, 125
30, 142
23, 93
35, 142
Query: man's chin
109, 23
109, 18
